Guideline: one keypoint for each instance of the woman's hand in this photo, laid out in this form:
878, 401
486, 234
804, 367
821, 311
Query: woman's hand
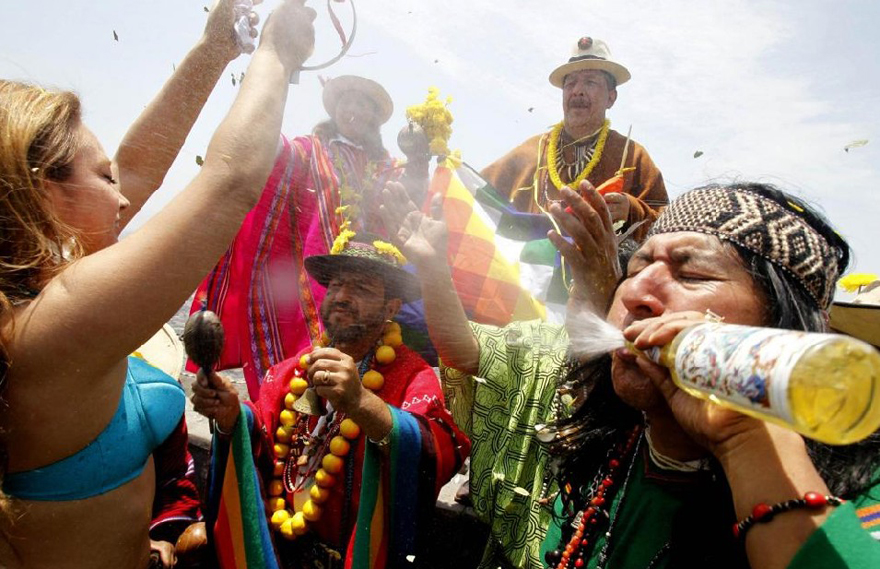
216, 398
422, 239
220, 29
709, 424
593, 253
290, 33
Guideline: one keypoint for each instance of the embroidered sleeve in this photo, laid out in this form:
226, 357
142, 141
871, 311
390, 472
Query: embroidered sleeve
842, 541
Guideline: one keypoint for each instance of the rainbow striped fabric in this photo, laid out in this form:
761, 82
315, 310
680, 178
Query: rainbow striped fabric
376, 538
870, 518
503, 265
240, 532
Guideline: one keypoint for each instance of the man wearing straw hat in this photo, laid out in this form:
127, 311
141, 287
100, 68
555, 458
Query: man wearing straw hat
350, 438
582, 146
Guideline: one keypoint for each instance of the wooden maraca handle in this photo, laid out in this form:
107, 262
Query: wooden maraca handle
203, 339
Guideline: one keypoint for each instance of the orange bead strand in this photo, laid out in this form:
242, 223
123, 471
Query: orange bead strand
284, 517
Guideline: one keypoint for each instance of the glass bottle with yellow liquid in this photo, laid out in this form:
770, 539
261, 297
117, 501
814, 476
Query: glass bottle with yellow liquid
824, 386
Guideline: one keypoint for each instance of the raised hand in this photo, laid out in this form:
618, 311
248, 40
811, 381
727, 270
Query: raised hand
421, 238
220, 29
289, 32
593, 253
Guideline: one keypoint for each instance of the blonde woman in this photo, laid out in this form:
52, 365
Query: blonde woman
79, 418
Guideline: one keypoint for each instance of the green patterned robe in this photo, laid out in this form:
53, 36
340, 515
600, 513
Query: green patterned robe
519, 366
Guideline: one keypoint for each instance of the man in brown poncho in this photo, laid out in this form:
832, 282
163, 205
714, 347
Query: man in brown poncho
583, 146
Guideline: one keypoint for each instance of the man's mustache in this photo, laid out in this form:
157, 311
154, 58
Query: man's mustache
342, 307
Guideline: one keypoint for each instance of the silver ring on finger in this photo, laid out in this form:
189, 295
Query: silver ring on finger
713, 317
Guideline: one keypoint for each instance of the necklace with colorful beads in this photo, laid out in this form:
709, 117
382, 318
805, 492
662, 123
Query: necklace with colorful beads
575, 552
307, 463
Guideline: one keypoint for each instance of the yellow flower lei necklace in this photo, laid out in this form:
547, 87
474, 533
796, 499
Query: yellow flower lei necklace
553, 153
286, 518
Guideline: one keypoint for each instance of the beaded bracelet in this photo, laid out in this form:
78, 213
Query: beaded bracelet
763, 513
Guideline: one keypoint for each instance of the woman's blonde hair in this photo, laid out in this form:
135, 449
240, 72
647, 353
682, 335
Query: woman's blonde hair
38, 142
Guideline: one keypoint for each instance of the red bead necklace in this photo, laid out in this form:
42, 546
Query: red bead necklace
578, 545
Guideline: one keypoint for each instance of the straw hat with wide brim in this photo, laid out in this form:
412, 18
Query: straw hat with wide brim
164, 351
861, 317
360, 254
334, 89
590, 53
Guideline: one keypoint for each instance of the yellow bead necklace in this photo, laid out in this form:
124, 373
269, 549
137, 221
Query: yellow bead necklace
553, 154
286, 518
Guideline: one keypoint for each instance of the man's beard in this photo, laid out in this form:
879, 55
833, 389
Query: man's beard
347, 333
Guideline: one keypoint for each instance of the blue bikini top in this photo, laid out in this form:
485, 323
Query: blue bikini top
150, 408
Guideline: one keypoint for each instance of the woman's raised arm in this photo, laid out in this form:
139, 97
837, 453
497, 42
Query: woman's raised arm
106, 304
154, 140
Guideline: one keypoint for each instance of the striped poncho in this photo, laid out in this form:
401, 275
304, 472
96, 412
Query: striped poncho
374, 522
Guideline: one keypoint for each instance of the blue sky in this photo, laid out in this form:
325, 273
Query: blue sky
766, 90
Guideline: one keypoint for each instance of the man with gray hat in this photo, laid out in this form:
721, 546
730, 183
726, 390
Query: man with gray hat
582, 146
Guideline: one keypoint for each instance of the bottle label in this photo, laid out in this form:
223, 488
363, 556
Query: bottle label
746, 366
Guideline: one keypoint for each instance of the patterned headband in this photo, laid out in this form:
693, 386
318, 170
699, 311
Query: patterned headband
762, 226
